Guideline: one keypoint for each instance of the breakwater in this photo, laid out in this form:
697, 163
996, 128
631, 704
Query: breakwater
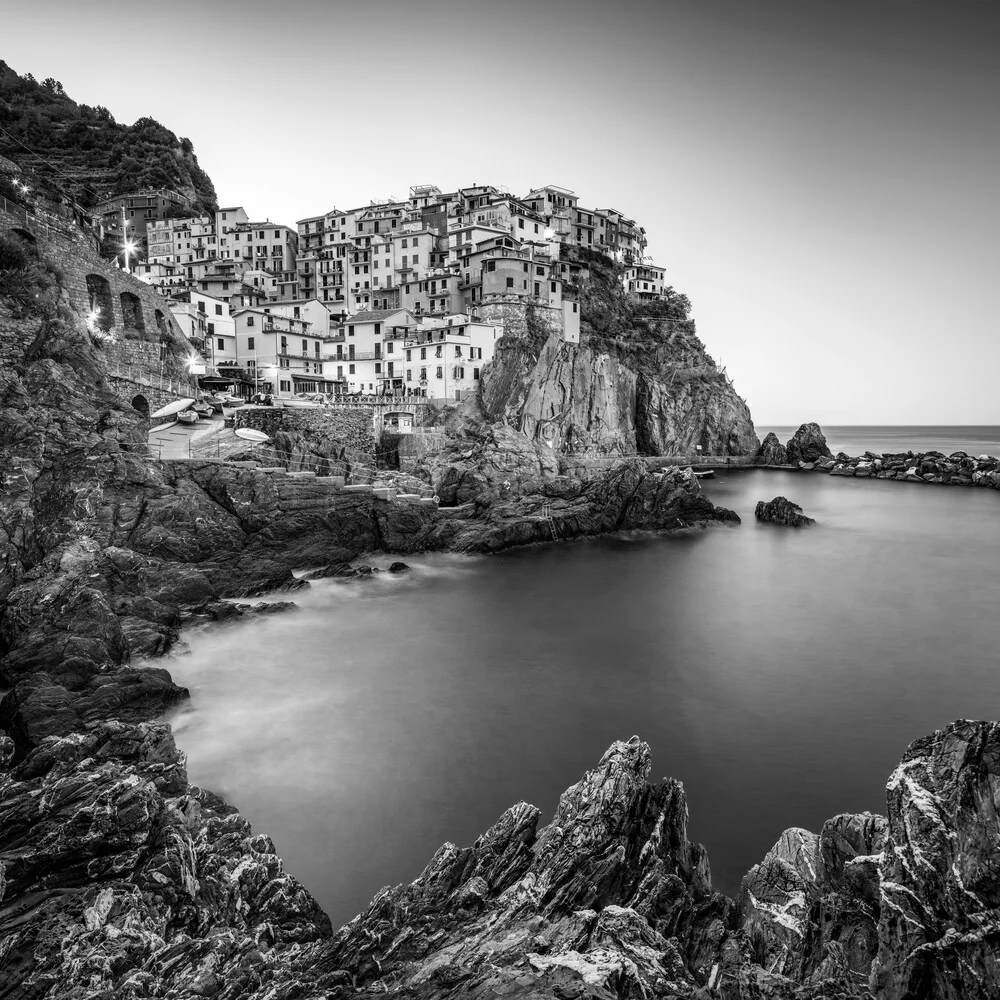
957, 469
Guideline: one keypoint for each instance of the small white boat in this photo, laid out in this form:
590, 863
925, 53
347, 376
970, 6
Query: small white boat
188, 417
296, 401
177, 406
705, 474
249, 434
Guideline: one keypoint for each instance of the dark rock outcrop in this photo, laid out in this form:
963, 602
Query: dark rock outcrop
609, 899
121, 880
939, 923
781, 510
807, 444
771, 451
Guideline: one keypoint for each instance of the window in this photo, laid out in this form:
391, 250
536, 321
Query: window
284, 386
520, 223
423, 374
221, 343
439, 372
389, 349
458, 350
218, 310
475, 374
423, 353
350, 331
510, 282
408, 355
409, 374
378, 368
340, 371
437, 351
249, 320
553, 286
305, 346
350, 369
211, 329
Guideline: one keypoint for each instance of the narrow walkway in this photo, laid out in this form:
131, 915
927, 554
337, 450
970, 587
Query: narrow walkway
174, 440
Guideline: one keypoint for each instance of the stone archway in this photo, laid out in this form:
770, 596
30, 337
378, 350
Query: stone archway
102, 310
161, 323
132, 312
25, 236
141, 405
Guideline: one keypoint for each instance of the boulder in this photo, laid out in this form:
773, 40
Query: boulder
771, 451
781, 510
807, 444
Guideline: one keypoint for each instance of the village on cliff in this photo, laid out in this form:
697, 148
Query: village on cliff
398, 297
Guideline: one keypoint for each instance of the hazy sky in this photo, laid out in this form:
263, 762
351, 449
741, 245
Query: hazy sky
819, 177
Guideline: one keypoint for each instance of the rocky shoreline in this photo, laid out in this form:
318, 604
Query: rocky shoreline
808, 451
119, 879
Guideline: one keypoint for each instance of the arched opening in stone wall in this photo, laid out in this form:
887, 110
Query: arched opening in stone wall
141, 404
132, 312
25, 236
161, 323
102, 312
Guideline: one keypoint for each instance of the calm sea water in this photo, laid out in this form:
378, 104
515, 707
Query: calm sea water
780, 674
856, 440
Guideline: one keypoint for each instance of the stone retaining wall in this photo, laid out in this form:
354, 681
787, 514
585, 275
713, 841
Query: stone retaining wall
328, 429
134, 330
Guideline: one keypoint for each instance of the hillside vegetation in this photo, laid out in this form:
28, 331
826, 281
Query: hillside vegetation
84, 152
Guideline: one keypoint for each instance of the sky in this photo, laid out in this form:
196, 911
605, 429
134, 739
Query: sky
819, 177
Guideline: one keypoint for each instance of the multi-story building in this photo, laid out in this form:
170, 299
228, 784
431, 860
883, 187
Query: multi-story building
365, 348
644, 281
443, 357
207, 323
265, 246
140, 209
283, 354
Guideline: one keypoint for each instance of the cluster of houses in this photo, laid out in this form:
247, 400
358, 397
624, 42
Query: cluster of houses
389, 298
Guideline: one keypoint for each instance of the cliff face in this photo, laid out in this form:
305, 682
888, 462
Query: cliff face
640, 381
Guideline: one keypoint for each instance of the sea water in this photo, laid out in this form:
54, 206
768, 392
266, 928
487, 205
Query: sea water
779, 673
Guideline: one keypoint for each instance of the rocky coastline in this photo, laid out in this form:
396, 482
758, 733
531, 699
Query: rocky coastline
119, 879
807, 451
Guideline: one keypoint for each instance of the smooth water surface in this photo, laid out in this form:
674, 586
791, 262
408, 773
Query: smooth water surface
779, 673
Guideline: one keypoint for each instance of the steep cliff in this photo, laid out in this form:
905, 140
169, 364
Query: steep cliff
639, 382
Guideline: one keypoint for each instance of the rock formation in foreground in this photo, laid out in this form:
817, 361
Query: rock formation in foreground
781, 510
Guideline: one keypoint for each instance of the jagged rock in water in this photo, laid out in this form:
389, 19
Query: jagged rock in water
781, 510
807, 444
940, 883
609, 898
772, 451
